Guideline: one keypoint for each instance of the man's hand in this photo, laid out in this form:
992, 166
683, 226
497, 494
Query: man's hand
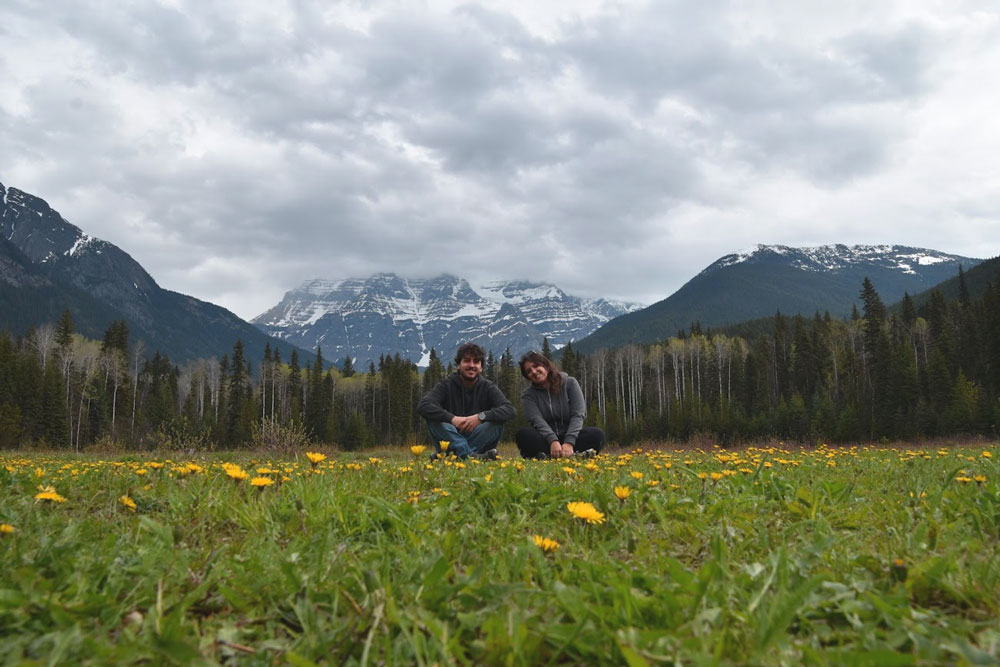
567, 450
465, 424
555, 449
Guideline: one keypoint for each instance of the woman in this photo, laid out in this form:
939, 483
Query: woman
555, 408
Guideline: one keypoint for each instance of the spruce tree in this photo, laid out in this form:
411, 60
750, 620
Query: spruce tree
64, 330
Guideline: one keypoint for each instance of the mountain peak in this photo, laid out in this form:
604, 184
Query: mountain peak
386, 313
837, 257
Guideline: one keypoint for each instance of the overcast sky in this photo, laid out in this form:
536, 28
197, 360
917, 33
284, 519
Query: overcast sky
238, 148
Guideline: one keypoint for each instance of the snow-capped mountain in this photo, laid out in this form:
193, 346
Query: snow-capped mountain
386, 314
837, 257
769, 278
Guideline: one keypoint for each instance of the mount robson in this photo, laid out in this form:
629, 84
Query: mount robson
389, 314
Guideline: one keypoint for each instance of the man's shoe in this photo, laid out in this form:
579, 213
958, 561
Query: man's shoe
488, 455
585, 454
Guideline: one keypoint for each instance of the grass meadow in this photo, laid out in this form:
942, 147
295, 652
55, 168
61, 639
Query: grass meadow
770, 555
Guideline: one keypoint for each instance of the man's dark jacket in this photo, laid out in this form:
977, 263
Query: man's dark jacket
450, 398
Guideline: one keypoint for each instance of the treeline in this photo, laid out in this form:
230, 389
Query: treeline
915, 372
925, 371
59, 389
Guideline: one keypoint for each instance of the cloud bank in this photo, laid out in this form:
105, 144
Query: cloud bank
236, 149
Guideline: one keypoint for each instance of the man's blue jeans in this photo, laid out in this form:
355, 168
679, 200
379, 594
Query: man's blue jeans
482, 439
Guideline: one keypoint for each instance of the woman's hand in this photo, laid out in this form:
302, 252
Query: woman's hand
555, 449
567, 450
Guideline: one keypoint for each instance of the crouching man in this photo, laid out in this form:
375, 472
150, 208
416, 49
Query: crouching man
466, 410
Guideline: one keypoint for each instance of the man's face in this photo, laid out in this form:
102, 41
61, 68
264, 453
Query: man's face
470, 368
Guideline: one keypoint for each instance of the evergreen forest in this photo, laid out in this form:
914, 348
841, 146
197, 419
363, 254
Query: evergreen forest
918, 370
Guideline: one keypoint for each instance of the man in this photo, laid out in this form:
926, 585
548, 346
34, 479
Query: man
465, 409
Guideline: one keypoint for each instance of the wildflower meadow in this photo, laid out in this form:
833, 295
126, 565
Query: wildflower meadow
767, 555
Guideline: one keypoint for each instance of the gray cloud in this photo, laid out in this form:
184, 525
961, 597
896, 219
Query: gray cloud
236, 149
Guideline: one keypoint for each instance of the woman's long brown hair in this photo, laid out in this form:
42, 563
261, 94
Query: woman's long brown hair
554, 380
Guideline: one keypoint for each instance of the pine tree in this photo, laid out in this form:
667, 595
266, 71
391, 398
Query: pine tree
434, 373
546, 351
569, 360
240, 400
294, 389
347, 369
64, 330
490, 367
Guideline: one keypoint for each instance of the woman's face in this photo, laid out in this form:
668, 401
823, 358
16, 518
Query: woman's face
537, 374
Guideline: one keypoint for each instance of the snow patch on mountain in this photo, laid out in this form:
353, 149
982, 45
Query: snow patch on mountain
836, 257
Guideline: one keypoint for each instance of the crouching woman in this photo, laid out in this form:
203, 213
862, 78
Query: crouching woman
555, 410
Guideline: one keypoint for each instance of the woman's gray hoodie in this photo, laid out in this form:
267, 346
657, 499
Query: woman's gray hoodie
556, 415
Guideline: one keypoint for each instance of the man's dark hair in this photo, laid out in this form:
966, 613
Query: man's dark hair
470, 350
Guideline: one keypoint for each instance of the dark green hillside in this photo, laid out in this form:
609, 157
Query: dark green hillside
727, 293
977, 279
29, 298
48, 266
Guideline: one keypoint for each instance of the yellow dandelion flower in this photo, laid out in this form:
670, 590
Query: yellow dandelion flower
194, 467
979, 479
653, 482
703, 476
716, 476
636, 474
987, 455
444, 444
261, 482
39, 472
459, 464
127, 502
374, 461
622, 492
585, 511
569, 471
963, 479
546, 544
6, 529
50, 495
417, 450
489, 478
237, 473
155, 465
315, 457
593, 467
141, 471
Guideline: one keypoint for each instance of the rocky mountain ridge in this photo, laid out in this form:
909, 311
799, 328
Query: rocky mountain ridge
384, 314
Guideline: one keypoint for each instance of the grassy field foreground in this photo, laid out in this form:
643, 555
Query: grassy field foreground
761, 556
